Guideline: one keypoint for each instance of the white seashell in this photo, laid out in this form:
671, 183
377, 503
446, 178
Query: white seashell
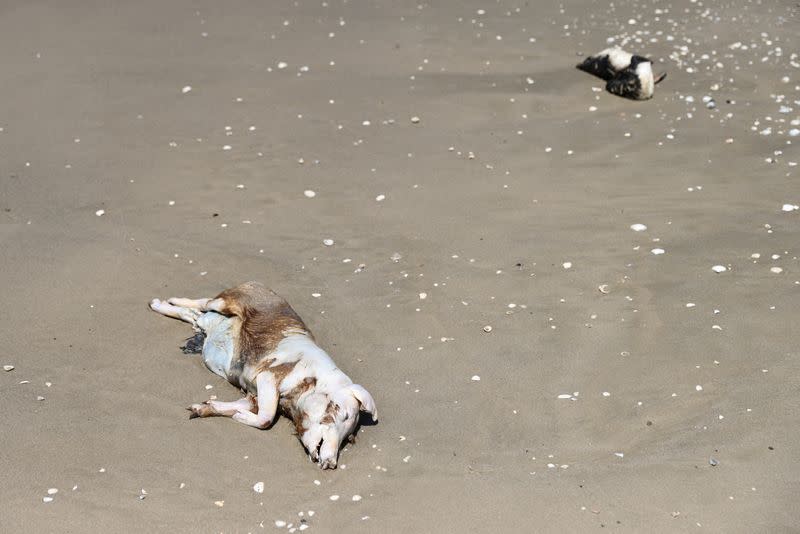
567, 265
334, 497
565, 396
186, 89
258, 487
658, 251
47, 499
775, 270
280, 524
638, 227
487, 328
790, 207
719, 268
100, 213
476, 378
8, 368
327, 242
309, 193
415, 119
356, 498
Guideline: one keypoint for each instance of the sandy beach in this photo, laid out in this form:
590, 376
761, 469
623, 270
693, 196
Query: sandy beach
539, 365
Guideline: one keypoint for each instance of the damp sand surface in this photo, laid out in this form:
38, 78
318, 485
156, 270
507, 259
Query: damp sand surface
575, 312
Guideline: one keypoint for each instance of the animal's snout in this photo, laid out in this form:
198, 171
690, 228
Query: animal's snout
327, 463
329, 449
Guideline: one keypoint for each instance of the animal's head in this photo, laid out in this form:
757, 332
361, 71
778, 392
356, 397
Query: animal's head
329, 419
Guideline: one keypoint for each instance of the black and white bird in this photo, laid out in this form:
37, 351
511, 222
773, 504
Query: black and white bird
626, 74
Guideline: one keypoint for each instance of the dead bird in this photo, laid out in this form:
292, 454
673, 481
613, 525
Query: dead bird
627, 75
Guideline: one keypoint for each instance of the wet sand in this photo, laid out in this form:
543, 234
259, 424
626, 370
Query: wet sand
518, 167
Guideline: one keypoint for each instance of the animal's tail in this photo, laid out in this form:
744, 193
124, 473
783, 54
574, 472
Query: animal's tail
194, 344
660, 78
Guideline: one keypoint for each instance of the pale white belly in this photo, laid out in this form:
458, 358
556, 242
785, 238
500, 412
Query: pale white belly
218, 345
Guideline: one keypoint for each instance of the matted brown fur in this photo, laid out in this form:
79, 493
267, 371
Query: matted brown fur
288, 403
330, 413
280, 371
265, 316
